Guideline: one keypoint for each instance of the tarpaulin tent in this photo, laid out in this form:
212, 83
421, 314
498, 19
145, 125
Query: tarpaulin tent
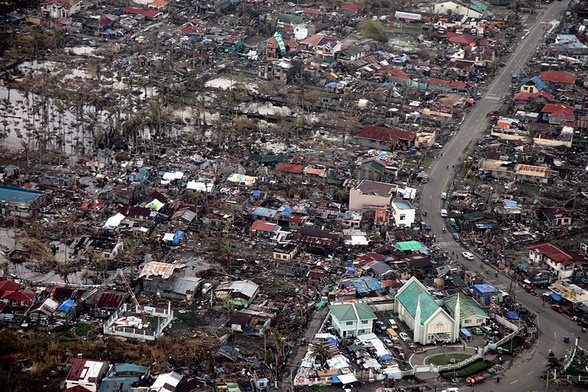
177, 237
66, 306
512, 315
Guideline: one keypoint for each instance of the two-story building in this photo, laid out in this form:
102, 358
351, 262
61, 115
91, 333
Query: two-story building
403, 213
352, 319
371, 194
555, 216
560, 263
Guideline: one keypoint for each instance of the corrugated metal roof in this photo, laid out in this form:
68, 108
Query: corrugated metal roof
162, 270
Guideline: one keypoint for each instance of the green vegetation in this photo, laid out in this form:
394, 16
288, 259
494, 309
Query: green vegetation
82, 329
373, 29
473, 368
446, 359
578, 365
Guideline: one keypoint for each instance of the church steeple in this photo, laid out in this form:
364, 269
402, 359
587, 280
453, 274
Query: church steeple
457, 318
417, 322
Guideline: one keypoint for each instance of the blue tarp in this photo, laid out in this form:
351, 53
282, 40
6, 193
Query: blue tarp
66, 306
335, 379
512, 315
350, 271
332, 84
332, 340
256, 193
286, 210
386, 357
484, 288
177, 237
556, 297
524, 266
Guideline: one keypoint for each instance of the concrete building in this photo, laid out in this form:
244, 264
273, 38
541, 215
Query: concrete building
371, 194
352, 319
403, 213
429, 322
20, 202
559, 263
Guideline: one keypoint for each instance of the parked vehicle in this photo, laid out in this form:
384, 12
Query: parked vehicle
379, 326
388, 342
404, 336
475, 380
557, 308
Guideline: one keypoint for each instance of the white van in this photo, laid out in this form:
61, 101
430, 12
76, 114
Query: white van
444, 213
443, 195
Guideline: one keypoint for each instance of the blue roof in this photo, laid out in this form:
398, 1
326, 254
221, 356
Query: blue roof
12, 194
66, 306
484, 288
121, 368
540, 84
177, 237
265, 212
403, 204
365, 284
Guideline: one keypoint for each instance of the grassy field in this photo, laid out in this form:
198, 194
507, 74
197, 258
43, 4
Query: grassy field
446, 359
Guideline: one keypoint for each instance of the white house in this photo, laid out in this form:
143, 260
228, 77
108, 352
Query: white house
371, 194
403, 213
352, 319
419, 311
560, 263
58, 9
472, 8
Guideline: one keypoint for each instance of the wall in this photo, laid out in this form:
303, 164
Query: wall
358, 200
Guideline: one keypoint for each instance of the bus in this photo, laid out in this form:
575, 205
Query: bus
393, 335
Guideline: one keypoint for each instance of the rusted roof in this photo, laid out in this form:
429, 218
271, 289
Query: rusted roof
385, 134
289, 168
161, 270
260, 225
110, 300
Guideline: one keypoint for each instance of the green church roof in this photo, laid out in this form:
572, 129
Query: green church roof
467, 306
352, 312
409, 295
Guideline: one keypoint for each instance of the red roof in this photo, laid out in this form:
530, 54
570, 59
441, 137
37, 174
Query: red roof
141, 11
110, 300
466, 39
289, 168
559, 110
369, 257
448, 83
396, 72
553, 253
385, 134
310, 11
558, 77
260, 225
355, 8
8, 285
18, 295
528, 96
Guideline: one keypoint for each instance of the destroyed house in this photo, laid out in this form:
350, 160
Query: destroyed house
237, 294
384, 138
85, 373
161, 278
317, 240
250, 323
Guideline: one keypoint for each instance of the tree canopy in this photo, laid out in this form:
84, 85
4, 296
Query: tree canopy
373, 29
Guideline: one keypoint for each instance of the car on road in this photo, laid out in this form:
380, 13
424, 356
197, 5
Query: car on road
452, 389
467, 255
380, 326
388, 343
557, 308
393, 324
404, 336
437, 145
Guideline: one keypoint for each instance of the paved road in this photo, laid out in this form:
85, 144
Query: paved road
524, 375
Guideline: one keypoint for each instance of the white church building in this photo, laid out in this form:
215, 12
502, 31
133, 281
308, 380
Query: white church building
429, 322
